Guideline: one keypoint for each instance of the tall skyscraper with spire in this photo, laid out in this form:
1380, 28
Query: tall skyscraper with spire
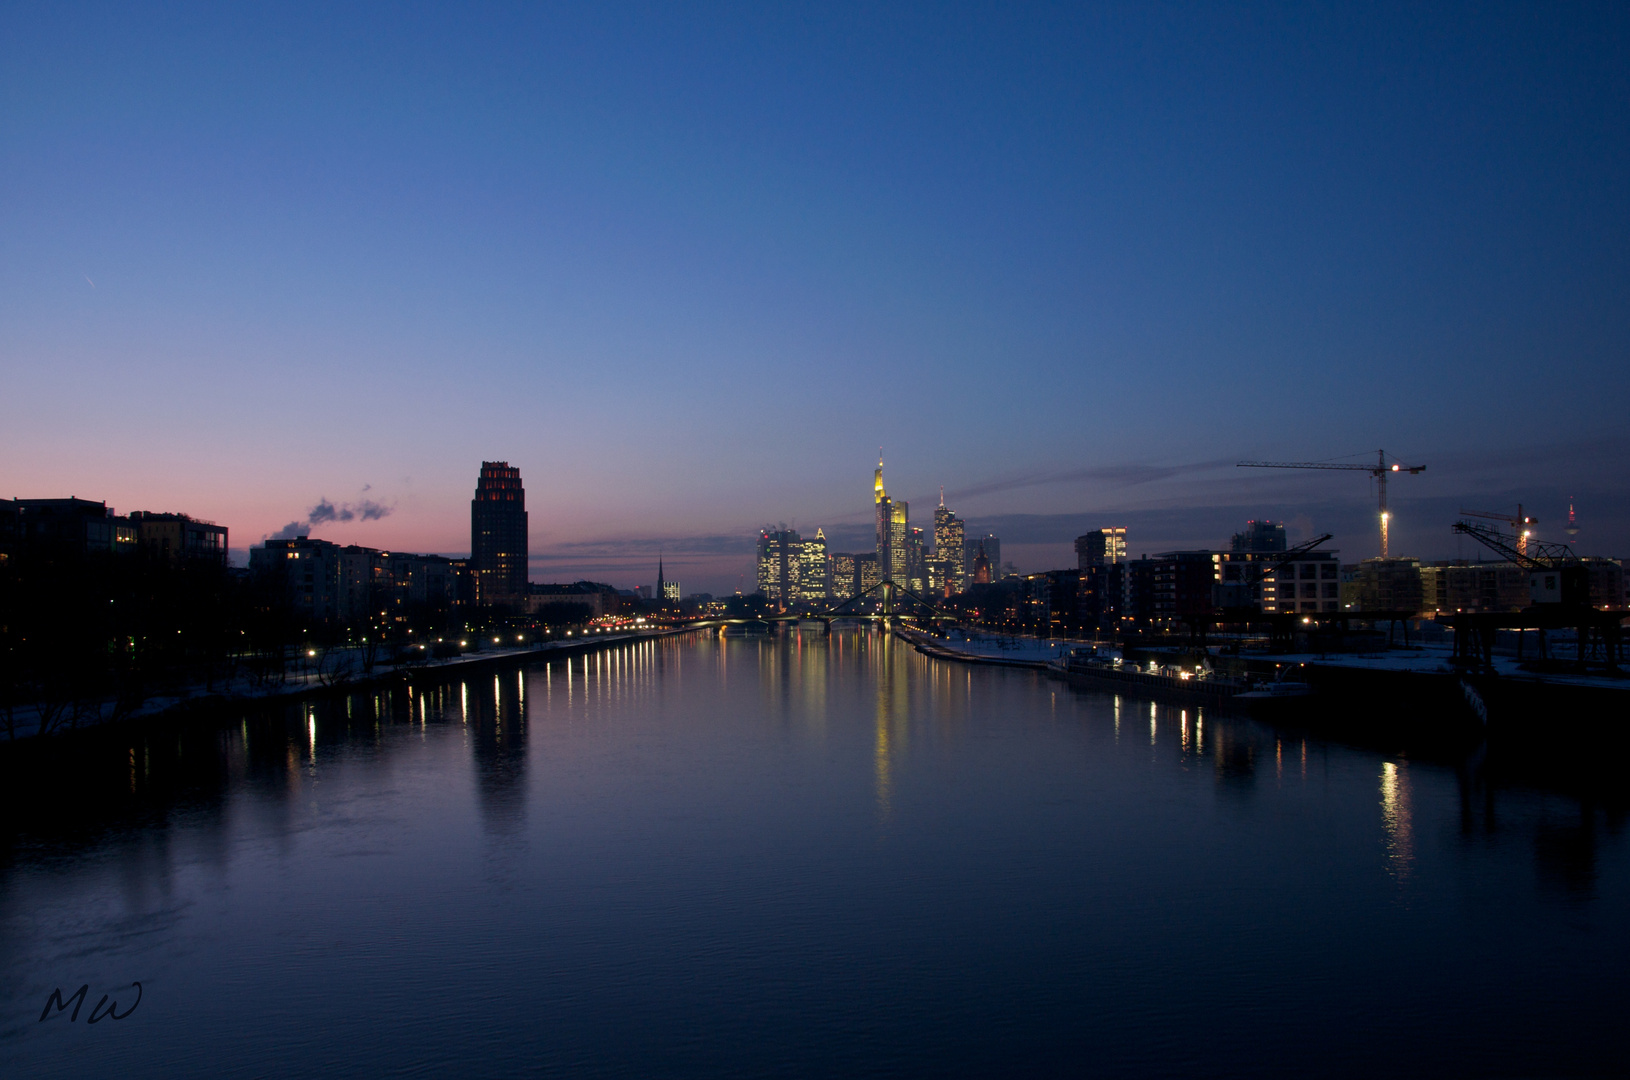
950, 549
893, 525
498, 535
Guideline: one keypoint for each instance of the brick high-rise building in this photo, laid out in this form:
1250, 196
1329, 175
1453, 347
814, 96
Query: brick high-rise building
498, 535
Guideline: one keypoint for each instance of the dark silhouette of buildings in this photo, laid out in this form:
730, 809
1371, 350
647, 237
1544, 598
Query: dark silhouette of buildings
498, 537
77, 526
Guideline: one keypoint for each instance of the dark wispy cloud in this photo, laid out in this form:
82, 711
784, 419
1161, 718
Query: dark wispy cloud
617, 549
1113, 476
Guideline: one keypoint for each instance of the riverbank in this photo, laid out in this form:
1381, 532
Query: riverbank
1400, 695
970, 652
202, 703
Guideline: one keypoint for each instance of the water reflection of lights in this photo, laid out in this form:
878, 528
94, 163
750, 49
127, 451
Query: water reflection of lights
1397, 818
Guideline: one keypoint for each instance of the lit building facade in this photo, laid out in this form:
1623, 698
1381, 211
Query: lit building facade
813, 569
893, 525
177, 538
845, 583
498, 536
949, 550
1100, 565
1102, 547
916, 578
778, 551
867, 571
1308, 583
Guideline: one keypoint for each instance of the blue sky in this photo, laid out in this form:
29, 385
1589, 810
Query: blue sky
689, 267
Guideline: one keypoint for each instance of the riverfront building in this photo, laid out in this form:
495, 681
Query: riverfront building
498, 535
1308, 583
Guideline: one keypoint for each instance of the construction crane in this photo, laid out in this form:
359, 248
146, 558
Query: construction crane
1379, 470
1519, 523
1290, 554
1529, 556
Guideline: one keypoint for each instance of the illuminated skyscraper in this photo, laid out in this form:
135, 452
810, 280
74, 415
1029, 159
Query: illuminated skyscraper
498, 535
867, 572
812, 569
949, 540
916, 562
845, 583
1105, 547
892, 529
778, 551
1101, 576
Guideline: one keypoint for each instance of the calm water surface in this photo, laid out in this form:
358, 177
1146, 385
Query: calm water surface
803, 855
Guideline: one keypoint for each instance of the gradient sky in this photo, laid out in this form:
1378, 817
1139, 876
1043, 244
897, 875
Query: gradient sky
689, 266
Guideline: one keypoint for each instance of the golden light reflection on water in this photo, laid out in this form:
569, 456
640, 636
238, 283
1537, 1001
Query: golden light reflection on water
1397, 818
884, 741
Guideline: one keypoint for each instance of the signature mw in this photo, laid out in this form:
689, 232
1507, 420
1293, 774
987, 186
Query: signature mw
77, 999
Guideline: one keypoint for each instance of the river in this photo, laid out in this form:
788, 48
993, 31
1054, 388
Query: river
800, 855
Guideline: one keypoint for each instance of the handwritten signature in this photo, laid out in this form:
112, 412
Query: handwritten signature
77, 999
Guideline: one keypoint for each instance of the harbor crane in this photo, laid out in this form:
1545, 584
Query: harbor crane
1520, 524
1379, 470
1535, 556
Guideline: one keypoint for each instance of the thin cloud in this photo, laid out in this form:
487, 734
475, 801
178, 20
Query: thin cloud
1109, 475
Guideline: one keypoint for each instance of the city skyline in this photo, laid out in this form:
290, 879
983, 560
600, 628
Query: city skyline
721, 562
1074, 265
